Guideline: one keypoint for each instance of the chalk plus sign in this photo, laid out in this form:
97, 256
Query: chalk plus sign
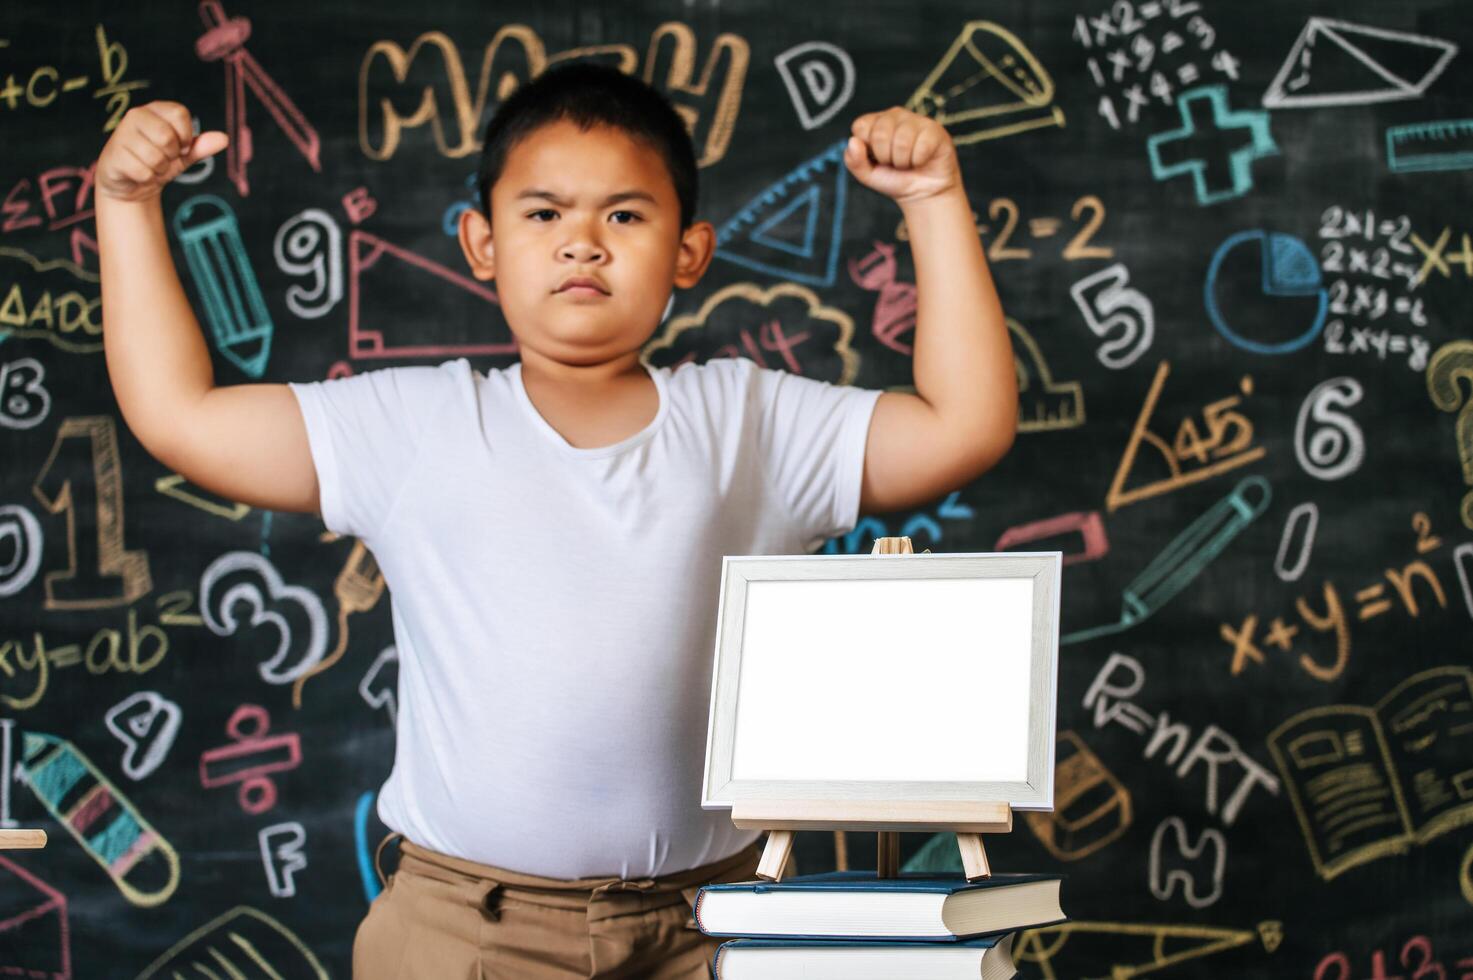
1197, 147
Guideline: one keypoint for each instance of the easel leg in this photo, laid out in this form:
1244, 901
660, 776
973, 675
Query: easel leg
974, 857
775, 855
887, 856
887, 860
841, 851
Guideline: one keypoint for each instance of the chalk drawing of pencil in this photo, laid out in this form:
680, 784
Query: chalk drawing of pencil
1184, 558
234, 306
143, 865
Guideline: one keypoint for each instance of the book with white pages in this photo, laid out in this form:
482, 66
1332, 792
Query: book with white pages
860, 905
988, 958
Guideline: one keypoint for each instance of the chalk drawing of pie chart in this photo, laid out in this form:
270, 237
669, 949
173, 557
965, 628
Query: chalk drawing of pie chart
1264, 292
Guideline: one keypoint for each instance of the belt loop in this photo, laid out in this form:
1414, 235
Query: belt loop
623, 885
491, 902
378, 854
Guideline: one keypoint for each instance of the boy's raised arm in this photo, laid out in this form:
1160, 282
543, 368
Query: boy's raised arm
964, 415
245, 442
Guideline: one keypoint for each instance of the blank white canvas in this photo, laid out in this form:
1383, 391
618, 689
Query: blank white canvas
885, 679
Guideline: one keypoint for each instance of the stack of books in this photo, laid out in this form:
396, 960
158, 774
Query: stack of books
855, 925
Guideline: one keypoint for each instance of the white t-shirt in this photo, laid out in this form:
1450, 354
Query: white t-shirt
554, 608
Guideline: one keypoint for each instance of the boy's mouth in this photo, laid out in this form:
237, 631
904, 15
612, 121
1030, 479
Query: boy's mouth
582, 286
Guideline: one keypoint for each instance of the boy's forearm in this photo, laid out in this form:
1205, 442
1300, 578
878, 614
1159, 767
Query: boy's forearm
156, 356
963, 359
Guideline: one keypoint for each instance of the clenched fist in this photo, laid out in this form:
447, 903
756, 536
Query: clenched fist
152, 145
902, 154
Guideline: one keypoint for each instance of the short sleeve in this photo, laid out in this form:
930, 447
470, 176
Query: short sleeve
364, 432
811, 438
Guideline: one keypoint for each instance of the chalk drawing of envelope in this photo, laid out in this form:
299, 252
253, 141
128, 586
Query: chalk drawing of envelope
401, 304
988, 85
244, 944
33, 926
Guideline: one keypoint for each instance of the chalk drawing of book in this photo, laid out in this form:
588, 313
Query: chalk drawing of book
1369, 782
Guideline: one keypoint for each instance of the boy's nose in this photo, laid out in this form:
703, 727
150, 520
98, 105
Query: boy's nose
582, 252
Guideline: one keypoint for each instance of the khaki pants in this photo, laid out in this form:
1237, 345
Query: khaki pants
446, 918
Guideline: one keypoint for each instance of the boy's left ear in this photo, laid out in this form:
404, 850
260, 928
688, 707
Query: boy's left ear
475, 242
697, 247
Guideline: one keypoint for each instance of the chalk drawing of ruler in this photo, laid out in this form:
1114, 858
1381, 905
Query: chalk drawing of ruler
1443, 145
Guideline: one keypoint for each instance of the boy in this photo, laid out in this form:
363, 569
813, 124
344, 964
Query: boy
552, 532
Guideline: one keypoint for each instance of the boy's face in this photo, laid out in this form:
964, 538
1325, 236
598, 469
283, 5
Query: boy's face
554, 216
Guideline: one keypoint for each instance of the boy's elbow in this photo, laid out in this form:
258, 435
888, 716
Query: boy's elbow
1005, 428
997, 444
1004, 445
152, 432
1008, 436
162, 432
169, 450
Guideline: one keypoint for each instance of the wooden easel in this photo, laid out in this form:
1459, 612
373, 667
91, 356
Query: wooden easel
17, 839
781, 818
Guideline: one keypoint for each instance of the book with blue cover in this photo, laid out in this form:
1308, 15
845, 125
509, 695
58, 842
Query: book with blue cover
859, 905
988, 958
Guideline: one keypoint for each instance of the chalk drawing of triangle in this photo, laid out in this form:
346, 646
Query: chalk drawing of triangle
765, 234
810, 196
1348, 53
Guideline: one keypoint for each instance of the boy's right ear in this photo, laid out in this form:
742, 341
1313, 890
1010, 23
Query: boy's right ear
475, 242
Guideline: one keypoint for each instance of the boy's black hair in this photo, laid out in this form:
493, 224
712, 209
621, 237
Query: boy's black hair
590, 94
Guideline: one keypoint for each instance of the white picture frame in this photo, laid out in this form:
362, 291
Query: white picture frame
868, 680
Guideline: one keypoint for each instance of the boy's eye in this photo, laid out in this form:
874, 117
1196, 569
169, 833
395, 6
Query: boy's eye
533, 215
